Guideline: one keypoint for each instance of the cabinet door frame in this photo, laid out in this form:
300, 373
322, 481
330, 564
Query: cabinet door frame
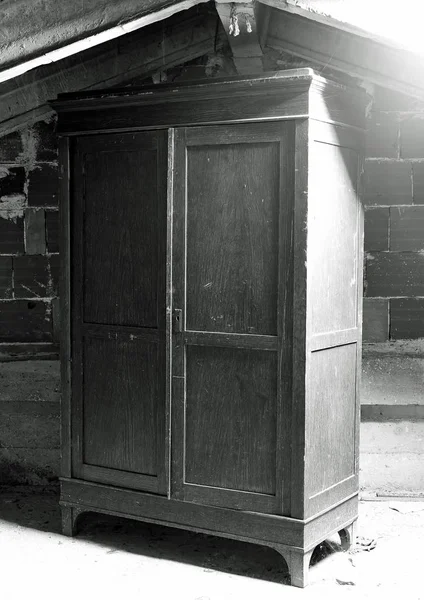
79, 147
283, 133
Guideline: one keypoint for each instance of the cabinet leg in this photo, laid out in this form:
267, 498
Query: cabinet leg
348, 536
298, 565
70, 516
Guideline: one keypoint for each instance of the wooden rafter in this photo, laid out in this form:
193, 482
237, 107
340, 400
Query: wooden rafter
50, 28
239, 21
180, 39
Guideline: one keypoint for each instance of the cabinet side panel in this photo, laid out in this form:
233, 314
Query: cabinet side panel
296, 408
332, 238
330, 424
334, 276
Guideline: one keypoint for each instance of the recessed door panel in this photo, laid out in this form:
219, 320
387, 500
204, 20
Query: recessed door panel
231, 417
121, 236
232, 246
121, 401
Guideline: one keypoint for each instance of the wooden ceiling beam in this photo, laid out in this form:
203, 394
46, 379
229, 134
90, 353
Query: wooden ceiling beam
239, 21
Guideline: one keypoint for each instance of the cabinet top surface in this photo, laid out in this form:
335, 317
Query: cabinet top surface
295, 93
292, 79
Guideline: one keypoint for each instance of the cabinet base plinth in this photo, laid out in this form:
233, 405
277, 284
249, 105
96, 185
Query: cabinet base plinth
294, 539
298, 565
348, 536
70, 515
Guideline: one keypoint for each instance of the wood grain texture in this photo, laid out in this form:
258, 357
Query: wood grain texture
214, 520
202, 112
76, 291
168, 301
273, 96
230, 498
330, 424
298, 565
122, 230
297, 405
232, 238
285, 315
323, 341
237, 524
65, 304
231, 418
360, 296
334, 279
332, 238
335, 517
121, 400
177, 226
122, 334
232, 340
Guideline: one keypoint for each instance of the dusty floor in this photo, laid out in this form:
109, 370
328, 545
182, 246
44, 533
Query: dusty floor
117, 558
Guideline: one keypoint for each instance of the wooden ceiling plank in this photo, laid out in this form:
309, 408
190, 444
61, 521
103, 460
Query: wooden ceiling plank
158, 47
55, 30
365, 59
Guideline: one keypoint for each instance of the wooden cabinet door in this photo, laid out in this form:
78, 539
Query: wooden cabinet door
232, 289
118, 224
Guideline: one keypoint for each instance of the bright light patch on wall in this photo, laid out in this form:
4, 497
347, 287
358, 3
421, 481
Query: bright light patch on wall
401, 23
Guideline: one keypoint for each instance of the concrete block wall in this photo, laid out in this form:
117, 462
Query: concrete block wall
29, 271
394, 219
29, 245
392, 431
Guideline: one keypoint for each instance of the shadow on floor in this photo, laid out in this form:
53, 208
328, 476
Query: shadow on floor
40, 510
31, 507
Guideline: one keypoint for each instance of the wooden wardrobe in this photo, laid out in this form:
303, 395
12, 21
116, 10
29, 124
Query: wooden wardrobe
211, 300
